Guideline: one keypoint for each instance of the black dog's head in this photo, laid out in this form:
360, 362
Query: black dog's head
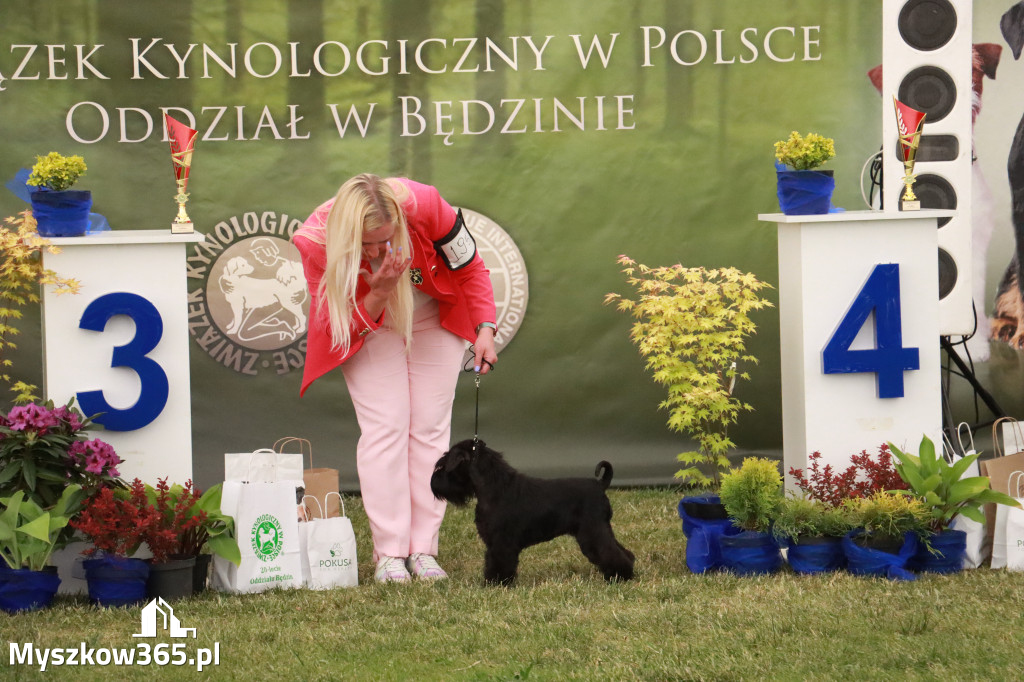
451, 480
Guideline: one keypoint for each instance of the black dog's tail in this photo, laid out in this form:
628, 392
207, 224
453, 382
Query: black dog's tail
606, 476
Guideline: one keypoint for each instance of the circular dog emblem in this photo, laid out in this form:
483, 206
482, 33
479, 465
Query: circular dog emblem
251, 310
508, 273
266, 537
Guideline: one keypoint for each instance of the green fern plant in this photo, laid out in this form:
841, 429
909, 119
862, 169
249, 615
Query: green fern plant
691, 325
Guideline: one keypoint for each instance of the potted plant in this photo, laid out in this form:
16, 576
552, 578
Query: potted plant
945, 493
44, 448
803, 189
28, 536
751, 495
862, 478
115, 522
187, 522
690, 326
59, 210
888, 527
21, 274
812, 532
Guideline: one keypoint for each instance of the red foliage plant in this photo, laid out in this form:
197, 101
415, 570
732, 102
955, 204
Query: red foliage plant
177, 529
115, 524
863, 477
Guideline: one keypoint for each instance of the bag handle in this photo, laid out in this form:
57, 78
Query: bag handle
960, 438
313, 497
341, 501
1015, 478
260, 451
948, 451
997, 445
305, 448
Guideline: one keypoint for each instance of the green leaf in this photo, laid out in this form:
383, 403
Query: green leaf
929, 464
38, 528
225, 547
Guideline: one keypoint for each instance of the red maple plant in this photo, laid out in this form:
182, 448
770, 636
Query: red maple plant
863, 477
176, 529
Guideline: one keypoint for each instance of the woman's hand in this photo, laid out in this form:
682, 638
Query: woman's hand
485, 355
383, 282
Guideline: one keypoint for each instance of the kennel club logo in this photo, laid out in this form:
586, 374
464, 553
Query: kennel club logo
266, 537
248, 302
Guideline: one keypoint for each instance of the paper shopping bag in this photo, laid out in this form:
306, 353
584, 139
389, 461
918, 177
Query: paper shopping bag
267, 531
319, 482
978, 544
330, 552
1008, 544
264, 465
1008, 445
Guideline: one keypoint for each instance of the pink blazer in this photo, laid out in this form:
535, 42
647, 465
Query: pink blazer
465, 296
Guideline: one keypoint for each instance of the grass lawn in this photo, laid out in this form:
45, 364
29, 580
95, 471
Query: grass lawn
564, 622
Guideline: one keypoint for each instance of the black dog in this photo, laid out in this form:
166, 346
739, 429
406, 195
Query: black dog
514, 511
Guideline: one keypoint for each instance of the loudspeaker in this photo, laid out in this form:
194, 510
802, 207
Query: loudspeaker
926, 64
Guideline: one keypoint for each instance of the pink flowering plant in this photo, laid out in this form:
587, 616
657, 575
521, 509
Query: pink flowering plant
43, 449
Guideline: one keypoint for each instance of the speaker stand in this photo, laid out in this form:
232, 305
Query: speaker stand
979, 391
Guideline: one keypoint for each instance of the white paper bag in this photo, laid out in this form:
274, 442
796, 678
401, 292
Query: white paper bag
266, 522
979, 547
264, 466
329, 551
1008, 539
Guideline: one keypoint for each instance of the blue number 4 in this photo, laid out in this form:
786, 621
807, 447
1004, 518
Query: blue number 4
888, 359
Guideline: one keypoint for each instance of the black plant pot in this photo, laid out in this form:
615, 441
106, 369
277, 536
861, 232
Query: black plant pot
880, 543
201, 573
171, 579
705, 507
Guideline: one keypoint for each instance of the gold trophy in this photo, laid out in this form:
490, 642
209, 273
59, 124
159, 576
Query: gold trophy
909, 123
183, 140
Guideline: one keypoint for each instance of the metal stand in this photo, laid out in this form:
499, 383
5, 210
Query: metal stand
967, 373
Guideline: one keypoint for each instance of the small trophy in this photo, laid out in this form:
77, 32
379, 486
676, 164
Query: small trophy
909, 123
183, 140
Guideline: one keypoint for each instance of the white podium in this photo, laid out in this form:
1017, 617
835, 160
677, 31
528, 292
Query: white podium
859, 327
120, 346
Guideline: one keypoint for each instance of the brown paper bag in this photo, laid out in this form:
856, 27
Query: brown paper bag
1009, 457
318, 481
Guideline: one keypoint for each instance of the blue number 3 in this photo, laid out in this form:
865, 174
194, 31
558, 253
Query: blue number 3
888, 359
149, 328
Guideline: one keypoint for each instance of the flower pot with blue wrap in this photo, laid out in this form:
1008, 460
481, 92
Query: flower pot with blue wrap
28, 535
59, 211
802, 188
751, 495
812, 533
890, 526
947, 490
705, 523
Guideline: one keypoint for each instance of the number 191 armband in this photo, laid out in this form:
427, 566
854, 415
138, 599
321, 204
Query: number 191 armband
456, 248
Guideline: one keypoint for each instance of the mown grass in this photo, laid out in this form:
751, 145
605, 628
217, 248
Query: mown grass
564, 622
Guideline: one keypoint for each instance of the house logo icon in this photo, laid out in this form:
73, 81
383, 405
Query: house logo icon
158, 611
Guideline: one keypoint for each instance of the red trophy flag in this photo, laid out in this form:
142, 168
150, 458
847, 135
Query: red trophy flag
909, 123
183, 140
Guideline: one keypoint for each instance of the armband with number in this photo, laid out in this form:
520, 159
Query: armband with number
456, 248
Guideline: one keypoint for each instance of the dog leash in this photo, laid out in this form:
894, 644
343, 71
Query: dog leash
476, 416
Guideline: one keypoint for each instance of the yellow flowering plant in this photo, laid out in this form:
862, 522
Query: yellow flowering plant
805, 152
56, 172
21, 274
690, 326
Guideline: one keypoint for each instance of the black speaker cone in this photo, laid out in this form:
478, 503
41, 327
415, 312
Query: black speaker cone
931, 90
927, 24
947, 273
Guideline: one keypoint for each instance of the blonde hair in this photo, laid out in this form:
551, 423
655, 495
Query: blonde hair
364, 203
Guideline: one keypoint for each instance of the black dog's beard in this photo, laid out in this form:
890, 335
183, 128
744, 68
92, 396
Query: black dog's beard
452, 486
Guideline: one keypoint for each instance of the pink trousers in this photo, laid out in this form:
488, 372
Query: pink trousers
403, 402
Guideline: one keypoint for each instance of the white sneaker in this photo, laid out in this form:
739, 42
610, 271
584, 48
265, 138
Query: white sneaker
391, 569
424, 567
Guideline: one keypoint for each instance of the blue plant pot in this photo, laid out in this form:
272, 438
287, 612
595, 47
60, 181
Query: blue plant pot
876, 562
950, 546
750, 553
116, 581
61, 214
805, 192
22, 589
816, 555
